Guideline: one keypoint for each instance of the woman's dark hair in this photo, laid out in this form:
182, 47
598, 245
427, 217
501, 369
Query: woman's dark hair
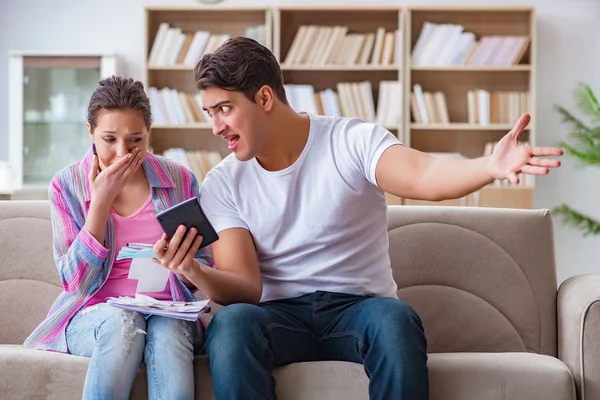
117, 93
243, 65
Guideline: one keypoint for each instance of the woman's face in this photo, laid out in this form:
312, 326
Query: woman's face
117, 133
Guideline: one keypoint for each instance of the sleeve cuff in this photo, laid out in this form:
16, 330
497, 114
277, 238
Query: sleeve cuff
377, 156
228, 223
91, 250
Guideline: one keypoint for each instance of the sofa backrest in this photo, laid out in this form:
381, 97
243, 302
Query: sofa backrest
481, 279
29, 281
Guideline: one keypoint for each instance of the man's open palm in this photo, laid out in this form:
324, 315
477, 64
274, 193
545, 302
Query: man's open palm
511, 158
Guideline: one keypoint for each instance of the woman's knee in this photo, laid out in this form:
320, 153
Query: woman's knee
122, 329
164, 331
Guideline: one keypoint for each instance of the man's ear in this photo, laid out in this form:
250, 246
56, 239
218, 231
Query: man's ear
265, 98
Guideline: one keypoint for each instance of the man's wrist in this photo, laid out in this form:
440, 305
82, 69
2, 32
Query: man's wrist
489, 168
194, 274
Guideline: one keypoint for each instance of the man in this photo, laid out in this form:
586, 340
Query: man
302, 261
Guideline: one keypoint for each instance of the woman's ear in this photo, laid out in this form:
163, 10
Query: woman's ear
90, 132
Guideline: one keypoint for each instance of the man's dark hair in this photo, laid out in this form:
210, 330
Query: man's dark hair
117, 93
243, 65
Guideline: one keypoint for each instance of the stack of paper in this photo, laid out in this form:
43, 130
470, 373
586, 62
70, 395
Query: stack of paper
189, 311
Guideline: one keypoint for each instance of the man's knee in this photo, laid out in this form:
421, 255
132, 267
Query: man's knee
234, 324
393, 316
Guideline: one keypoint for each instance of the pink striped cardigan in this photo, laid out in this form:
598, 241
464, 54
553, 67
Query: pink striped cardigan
83, 263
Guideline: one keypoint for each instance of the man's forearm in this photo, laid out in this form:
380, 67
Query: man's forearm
451, 178
223, 287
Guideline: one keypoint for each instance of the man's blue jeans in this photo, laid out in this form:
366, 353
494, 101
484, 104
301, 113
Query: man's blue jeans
246, 342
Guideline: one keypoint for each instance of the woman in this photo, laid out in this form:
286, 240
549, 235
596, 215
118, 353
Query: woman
98, 205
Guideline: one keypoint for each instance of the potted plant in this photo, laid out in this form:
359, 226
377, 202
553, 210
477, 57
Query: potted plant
584, 145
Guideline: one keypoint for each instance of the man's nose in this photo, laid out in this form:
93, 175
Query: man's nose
218, 126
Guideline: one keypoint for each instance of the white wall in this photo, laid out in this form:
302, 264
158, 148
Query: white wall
568, 52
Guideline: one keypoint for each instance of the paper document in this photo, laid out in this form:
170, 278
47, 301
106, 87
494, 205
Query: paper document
189, 311
151, 276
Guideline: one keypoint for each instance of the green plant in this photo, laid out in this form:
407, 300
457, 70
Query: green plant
585, 146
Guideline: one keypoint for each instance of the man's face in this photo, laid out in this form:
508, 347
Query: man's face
236, 119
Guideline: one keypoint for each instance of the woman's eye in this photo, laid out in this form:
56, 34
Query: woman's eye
225, 108
109, 140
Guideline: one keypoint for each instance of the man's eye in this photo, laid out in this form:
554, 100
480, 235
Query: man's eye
225, 108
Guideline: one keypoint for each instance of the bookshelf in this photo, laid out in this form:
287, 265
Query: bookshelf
454, 92
470, 74
175, 38
343, 60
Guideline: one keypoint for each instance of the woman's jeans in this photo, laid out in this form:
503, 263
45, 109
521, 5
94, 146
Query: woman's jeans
246, 342
117, 340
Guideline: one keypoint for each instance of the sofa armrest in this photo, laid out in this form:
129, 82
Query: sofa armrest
578, 312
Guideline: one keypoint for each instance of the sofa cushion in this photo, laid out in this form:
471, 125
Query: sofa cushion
35, 374
453, 376
489, 269
29, 281
515, 376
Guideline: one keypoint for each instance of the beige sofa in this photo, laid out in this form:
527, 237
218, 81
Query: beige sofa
483, 281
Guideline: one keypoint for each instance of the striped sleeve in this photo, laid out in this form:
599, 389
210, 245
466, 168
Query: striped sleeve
79, 257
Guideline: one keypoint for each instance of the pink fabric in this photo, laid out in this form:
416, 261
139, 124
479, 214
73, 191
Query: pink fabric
139, 227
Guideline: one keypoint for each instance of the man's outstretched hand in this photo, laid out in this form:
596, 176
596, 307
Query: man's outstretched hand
511, 158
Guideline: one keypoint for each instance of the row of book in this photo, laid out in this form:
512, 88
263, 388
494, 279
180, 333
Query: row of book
450, 45
489, 107
356, 99
173, 46
198, 161
484, 107
173, 107
350, 99
315, 45
428, 107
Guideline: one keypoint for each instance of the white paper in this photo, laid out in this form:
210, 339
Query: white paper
189, 311
152, 277
134, 269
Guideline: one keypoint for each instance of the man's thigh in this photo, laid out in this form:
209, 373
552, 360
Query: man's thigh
284, 327
365, 322
289, 329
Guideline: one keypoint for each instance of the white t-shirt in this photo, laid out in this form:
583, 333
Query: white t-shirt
321, 223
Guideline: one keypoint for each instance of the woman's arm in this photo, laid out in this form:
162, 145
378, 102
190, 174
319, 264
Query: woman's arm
78, 239
78, 255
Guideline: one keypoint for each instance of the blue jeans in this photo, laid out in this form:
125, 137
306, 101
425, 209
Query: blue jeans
246, 342
116, 340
